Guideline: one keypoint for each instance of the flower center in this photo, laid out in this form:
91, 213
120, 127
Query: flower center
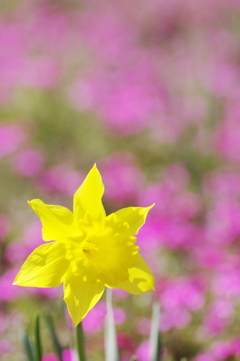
102, 253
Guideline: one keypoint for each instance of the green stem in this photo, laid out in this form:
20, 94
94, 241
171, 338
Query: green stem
80, 344
38, 347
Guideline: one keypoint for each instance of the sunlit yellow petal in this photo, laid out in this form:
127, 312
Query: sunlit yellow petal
57, 221
140, 280
45, 267
135, 217
88, 197
81, 297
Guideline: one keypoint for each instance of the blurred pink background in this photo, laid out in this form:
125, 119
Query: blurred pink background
149, 90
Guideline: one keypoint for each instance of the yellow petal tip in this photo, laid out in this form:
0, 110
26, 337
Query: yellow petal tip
150, 207
95, 166
30, 203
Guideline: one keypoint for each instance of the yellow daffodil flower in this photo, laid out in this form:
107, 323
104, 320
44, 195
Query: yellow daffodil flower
87, 250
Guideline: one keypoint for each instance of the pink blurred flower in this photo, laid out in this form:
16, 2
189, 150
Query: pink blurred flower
126, 345
170, 222
223, 222
67, 355
172, 190
28, 163
8, 291
125, 100
40, 72
226, 281
95, 319
223, 183
208, 256
143, 351
177, 298
218, 316
11, 138
6, 347
19, 249
13, 46
50, 357
203, 357
223, 349
61, 179
122, 177
119, 294
175, 318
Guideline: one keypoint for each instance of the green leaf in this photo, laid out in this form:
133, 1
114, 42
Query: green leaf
80, 343
155, 338
28, 347
111, 349
38, 346
56, 343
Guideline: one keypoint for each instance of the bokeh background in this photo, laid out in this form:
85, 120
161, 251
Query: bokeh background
150, 91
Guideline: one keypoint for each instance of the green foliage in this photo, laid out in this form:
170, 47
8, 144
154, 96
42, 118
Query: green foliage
34, 350
56, 344
38, 346
28, 347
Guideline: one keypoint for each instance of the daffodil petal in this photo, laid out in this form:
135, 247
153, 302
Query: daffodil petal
81, 297
140, 280
45, 267
57, 221
88, 197
135, 217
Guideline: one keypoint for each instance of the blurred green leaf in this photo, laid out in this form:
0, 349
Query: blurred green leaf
155, 338
56, 343
38, 347
111, 349
28, 347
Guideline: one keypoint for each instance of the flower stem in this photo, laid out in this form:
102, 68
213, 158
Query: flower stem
80, 344
38, 346
111, 347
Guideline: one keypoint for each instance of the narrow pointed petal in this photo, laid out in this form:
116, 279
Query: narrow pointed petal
140, 280
88, 197
57, 221
135, 217
80, 296
45, 267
